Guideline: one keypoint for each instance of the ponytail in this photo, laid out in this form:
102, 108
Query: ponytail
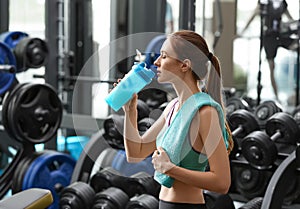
214, 89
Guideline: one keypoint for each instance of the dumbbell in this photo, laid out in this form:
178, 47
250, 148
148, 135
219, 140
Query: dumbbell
215, 200
110, 198
241, 122
113, 130
236, 103
265, 110
248, 181
259, 147
77, 196
144, 201
139, 183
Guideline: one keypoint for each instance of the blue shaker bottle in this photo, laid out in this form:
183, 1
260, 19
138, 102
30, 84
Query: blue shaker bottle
134, 81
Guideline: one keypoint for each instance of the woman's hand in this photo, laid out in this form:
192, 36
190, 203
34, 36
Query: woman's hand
161, 161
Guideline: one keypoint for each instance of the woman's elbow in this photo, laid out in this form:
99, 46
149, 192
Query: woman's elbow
224, 186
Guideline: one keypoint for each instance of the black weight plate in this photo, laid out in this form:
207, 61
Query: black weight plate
244, 119
265, 110
249, 181
286, 125
142, 109
5, 106
235, 103
35, 113
259, 150
21, 170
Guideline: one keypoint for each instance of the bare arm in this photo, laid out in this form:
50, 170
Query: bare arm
218, 178
139, 147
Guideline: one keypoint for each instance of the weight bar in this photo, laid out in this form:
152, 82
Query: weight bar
78, 195
7, 69
259, 147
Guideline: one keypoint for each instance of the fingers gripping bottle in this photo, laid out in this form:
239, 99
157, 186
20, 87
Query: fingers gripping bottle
134, 81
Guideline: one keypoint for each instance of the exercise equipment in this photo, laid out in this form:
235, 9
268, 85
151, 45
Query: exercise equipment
259, 147
34, 198
265, 110
78, 195
215, 200
29, 52
104, 160
113, 131
145, 124
153, 50
248, 181
112, 197
143, 201
241, 122
12, 38
49, 170
153, 97
7, 61
137, 184
23, 150
255, 203
32, 112
284, 180
92, 150
236, 103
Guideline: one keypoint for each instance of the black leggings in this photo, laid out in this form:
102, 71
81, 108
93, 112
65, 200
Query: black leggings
173, 205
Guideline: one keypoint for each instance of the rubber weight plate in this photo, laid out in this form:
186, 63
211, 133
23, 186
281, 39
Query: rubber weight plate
12, 38
6, 58
34, 113
51, 171
5, 105
20, 172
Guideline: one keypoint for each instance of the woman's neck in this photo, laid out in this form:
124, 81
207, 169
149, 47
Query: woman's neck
184, 90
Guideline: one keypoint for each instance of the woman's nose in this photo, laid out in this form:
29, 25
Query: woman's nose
156, 62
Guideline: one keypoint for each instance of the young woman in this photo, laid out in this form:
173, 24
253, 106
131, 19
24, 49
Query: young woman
190, 142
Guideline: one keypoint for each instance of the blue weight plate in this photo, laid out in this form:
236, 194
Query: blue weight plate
12, 38
53, 171
6, 58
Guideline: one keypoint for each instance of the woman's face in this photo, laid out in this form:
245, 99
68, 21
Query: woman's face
168, 66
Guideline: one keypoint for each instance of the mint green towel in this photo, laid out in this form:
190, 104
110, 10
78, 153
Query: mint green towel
172, 139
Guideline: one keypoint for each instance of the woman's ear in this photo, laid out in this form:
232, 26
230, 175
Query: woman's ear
186, 65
